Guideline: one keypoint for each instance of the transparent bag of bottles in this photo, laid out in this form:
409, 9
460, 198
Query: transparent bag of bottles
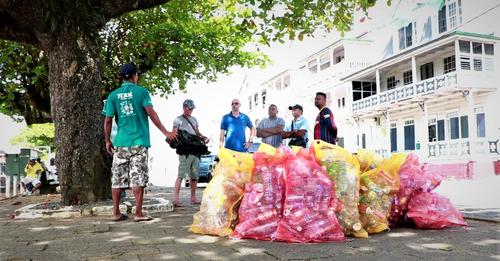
218, 213
429, 210
310, 203
261, 206
343, 168
368, 159
377, 190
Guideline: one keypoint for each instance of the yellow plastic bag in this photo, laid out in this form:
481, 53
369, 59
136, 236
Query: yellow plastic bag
378, 187
368, 160
343, 168
218, 213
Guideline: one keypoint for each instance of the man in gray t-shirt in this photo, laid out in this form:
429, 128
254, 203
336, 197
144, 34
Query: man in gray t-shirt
189, 165
269, 129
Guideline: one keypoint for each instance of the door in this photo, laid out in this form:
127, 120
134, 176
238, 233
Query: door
394, 139
409, 135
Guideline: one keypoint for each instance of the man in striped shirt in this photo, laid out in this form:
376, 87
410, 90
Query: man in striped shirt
324, 127
269, 129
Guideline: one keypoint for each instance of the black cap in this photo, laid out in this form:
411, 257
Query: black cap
296, 106
127, 70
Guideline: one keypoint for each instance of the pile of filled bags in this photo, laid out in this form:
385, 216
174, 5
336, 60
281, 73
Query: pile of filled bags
319, 194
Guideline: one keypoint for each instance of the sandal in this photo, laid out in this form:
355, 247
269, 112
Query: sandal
144, 218
178, 205
122, 217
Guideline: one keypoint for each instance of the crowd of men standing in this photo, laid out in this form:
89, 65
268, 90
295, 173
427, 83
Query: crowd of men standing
130, 106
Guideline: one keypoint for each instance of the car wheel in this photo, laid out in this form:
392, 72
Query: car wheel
209, 177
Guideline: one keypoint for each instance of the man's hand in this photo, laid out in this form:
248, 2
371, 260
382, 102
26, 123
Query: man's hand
205, 139
170, 135
109, 147
247, 145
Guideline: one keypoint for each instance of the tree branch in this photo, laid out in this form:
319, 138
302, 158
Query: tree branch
11, 30
115, 8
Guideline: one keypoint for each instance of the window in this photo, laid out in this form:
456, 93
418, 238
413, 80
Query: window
464, 127
391, 83
440, 130
324, 61
477, 48
442, 19
453, 126
256, 99
449, 64
339, 103
264, 94
464, 46
362, 90
464, 62
313, 66
405, 36
480, 122
427, 71
478, 64
286, 80
277, 84
407, 77
250, 102
363, 141
452, 12
489, 49
343, 102
458, 126
432, 129
339, 58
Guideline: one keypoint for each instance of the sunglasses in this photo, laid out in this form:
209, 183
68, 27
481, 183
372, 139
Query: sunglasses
235, 103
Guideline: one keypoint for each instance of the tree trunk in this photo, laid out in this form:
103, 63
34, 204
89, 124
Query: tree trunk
74, 76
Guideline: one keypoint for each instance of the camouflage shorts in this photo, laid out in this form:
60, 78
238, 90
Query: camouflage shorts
130, 167
189, 167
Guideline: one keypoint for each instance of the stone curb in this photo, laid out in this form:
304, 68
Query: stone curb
27, 212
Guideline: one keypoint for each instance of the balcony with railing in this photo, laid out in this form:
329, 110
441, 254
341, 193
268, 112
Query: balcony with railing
419, 89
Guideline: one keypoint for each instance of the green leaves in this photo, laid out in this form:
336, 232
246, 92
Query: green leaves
36, 135
172, 44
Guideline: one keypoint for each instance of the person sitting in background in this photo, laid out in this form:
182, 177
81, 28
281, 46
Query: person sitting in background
31, 181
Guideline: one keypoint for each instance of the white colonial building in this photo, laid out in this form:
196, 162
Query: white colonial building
429, 84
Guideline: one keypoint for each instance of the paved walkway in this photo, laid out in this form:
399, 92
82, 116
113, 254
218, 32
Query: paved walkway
167, 237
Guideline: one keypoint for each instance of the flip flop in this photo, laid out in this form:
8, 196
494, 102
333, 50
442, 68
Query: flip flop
145, 218
178, 205
122, 217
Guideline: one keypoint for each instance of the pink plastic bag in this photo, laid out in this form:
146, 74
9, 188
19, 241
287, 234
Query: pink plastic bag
310, 203
261, 207
432, 211
414, 178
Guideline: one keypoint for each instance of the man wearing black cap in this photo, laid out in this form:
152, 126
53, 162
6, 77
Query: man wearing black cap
296, 130
131, 106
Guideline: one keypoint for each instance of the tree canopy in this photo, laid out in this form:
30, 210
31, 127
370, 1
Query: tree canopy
171, 44
36, 135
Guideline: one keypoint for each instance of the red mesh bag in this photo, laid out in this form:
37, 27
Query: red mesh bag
432, 211
310, 203
261, 207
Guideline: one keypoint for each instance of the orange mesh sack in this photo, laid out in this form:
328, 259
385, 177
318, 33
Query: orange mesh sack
218, 213
343, 168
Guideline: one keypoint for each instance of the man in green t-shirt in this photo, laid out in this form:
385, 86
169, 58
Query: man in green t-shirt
131, 106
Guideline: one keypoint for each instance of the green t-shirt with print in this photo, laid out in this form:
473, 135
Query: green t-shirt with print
127, 104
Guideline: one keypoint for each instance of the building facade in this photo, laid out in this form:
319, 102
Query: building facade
429, 84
